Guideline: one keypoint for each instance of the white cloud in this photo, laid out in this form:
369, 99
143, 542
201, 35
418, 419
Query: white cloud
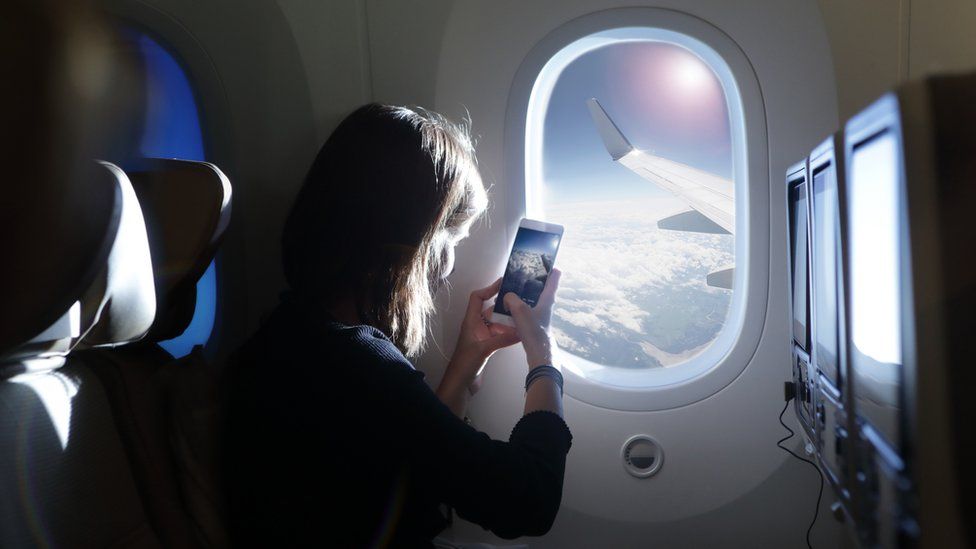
589, 321
612, 253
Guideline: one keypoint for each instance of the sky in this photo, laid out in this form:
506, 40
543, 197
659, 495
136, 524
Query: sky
663, 98
536, 241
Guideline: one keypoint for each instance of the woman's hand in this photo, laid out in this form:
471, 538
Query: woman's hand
480, 337
478, 340
532, 323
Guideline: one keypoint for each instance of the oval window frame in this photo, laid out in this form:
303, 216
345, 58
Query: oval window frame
210, 95
729, 355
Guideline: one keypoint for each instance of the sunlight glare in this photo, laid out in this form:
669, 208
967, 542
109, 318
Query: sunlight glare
690, 73
56, 391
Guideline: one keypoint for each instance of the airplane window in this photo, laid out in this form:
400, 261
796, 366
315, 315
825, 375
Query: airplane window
171, 129
635, 159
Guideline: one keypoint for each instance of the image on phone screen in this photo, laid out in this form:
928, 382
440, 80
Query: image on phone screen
533, 255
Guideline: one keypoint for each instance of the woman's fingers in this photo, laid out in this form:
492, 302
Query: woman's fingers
548, 295
499, 329
490, 290
478, 297
498, 335
501, 340
485, 315
532, 329
521, 313
495, 328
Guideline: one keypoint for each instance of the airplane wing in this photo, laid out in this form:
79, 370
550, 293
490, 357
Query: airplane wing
711, 196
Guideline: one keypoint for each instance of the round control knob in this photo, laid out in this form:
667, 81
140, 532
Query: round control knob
642, 456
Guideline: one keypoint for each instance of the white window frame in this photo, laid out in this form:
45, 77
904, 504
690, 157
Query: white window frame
730, 353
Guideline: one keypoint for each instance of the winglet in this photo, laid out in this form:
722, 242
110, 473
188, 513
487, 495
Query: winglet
615, 142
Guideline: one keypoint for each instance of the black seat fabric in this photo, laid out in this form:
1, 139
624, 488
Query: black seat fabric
138, 384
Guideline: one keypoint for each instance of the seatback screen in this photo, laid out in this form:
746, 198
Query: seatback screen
825, 272
874, 217
799, 276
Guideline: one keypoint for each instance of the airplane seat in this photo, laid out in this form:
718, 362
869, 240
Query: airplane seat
64, 473
165, 407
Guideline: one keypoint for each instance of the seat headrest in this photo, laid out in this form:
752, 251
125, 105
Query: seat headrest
121, 303
102, 292
187, 207
56, 236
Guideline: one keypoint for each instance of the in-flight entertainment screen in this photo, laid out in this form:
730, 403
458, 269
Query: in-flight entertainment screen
874, 217
799, 272
825, 272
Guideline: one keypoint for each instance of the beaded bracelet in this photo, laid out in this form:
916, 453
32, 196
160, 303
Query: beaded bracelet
544, 371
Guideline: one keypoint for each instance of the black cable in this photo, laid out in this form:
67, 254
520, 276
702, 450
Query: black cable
779, 444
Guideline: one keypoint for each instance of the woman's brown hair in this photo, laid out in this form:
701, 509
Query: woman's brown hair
386, 186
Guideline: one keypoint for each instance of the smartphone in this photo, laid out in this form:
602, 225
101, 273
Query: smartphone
532, 258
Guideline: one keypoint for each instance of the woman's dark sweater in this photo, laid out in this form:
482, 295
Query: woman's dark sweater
333, 438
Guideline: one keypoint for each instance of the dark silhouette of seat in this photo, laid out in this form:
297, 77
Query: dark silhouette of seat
64, 474
165, 409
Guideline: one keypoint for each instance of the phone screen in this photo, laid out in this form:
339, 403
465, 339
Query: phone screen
533, 255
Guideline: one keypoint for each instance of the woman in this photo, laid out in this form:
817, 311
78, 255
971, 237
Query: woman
332, 437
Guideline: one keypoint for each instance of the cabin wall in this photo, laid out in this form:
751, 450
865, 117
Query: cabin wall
878, 43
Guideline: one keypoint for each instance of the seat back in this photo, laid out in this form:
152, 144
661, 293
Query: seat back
165, 409
187, 206
63, 470
64, 474
53, 250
